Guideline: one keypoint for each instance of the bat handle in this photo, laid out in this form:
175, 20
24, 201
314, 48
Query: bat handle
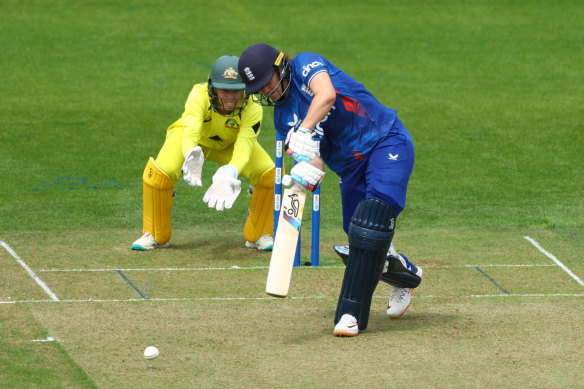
288, 181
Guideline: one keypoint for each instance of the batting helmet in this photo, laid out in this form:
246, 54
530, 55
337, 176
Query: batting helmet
258, 63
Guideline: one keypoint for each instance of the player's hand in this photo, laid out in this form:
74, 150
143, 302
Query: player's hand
300, 145
306, 175
193, 166
224, 190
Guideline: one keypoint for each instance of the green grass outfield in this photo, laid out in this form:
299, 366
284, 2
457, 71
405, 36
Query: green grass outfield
492, 94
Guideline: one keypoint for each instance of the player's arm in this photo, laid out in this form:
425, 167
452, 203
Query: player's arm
322, 102
247, 136
196, 108
310, 171
317, 162
299, 142
192, 123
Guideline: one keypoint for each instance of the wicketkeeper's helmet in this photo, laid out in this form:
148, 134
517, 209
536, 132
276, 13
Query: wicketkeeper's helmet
224, 75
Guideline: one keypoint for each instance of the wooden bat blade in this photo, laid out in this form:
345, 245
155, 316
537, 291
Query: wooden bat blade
285, 242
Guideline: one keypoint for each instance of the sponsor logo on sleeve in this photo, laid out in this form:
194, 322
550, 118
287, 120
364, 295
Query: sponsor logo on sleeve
307, 90
307, 68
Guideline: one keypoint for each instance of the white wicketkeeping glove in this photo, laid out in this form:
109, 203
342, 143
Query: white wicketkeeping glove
307, 175
300, 145
193, 166
224, 190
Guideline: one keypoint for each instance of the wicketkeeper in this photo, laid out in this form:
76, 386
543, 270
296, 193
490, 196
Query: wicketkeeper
369, 148
220, 124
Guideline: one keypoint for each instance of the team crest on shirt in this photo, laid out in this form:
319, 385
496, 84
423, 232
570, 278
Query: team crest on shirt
230, 73
232, 123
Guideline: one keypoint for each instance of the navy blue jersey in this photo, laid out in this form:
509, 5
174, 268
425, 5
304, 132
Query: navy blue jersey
355, 123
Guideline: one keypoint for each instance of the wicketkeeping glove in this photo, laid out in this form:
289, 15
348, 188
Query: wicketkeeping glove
193, 166
224, 190
307, 175
300, 145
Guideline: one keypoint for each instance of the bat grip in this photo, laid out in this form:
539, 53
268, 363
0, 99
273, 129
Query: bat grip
288, 181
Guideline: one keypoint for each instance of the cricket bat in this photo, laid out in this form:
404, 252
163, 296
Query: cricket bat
285, 241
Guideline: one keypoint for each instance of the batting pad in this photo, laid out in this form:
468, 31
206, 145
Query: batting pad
370, 232
260, 220
157, 198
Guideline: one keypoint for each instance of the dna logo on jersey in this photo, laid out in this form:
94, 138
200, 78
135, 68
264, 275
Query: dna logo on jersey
307, 68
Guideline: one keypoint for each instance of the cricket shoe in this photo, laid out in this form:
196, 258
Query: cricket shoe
147, 242
347, 326
401, 296
264, 243
399, 301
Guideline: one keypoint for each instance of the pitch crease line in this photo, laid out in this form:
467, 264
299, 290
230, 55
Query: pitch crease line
266, 267
290, 298
29, 271
556, 260
155, 269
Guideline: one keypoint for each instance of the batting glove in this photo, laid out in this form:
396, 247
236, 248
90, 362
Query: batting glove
193, 166
306, 175
300, 145
224, 190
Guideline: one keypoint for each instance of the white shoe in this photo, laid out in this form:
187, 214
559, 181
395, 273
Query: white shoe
347, 326
264, 243
147, 242
399, 301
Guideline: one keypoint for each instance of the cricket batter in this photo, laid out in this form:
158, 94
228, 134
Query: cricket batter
366, 145
220, 124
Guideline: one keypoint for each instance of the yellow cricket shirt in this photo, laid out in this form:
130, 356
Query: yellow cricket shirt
201, 125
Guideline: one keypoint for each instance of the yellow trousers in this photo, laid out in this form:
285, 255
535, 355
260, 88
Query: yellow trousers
170, 158
259, 171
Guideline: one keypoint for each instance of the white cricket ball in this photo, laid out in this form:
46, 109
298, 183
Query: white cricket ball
151, 352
